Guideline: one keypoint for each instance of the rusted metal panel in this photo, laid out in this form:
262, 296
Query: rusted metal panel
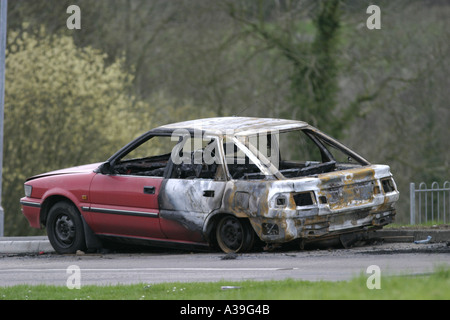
352, 199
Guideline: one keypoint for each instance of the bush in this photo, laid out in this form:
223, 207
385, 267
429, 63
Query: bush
63, 107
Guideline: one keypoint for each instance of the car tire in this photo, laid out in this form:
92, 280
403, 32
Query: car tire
65, 228
234, 235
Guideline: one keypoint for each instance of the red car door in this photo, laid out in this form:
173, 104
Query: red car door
125, 205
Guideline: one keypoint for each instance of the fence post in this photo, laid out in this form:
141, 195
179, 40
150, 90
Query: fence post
412, 197
444, 186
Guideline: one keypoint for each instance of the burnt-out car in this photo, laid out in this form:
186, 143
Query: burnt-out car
218, 182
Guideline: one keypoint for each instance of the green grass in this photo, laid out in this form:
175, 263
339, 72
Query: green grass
432, 286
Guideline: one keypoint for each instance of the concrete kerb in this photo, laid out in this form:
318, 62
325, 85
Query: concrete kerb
41, 244
25, 245
411, 235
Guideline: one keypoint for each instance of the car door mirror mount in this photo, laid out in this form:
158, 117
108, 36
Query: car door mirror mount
106, 168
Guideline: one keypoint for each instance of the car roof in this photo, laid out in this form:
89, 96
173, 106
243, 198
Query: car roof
235, 125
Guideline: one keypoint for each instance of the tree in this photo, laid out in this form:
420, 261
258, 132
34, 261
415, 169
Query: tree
63, 107
309, 43
395, 81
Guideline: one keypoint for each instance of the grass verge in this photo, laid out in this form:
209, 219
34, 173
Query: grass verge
430, 286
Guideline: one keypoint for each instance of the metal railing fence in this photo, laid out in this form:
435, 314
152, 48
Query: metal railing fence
429, 204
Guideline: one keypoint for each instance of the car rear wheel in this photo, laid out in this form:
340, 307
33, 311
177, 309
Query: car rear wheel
65, 228
234, 235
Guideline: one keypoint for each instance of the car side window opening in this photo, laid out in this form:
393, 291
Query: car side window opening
151, 158
197, 158
240, 166
246, 161
292, 154
179, 157
304, 153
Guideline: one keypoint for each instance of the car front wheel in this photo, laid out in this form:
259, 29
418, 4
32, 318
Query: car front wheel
234, 235
65, 228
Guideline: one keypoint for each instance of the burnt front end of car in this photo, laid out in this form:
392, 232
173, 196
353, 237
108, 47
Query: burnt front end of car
319, 207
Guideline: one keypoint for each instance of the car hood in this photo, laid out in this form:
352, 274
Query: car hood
78, 169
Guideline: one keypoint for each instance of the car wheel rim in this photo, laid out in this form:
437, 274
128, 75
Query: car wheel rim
231, 234
65, 230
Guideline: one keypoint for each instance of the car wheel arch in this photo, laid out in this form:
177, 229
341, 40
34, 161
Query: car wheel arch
65, 228
48, 203
212, 222
91, 240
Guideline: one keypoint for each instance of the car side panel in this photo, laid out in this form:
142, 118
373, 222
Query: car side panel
73, 187
185, 204
123, 205
31, 210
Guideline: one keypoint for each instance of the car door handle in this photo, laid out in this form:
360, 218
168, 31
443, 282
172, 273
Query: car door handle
208, 193
149, 190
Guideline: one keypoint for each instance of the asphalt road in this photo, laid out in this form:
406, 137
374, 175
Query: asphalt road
176, 266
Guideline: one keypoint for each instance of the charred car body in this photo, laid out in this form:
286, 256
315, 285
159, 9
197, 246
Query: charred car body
221, 182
